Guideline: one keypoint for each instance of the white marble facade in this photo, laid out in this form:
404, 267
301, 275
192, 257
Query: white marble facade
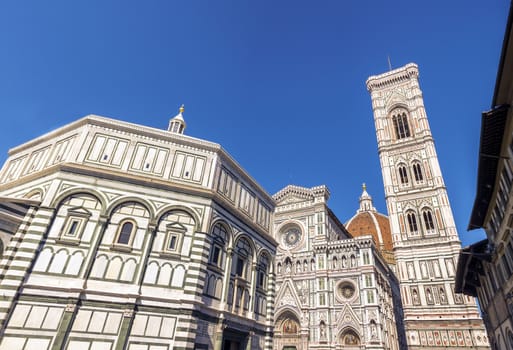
133, 238
332, 291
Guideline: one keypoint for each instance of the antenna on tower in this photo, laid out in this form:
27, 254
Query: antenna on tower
389, 64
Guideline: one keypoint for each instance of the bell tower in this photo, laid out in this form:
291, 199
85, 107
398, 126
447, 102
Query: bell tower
425, 239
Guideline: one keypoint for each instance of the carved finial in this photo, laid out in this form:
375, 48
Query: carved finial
182, 108
364, 186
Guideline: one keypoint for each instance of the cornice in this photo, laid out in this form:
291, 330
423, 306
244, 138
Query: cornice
119, 176
148, 133
350, 243
406, 145
303, 192
114, 124
393, 77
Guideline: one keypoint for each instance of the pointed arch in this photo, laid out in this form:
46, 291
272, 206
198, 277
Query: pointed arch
287, 325
400, 122
287, 313
402, 169
349, 336
418, 173
428, 219
411, 218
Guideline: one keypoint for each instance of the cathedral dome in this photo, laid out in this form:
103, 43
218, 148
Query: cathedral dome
368, 221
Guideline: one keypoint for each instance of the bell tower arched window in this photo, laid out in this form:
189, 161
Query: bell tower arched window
412, 222
402, 129
428, 220
403, 175
417, 172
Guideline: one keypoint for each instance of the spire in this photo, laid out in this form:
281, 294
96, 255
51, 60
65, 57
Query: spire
365, 200
177, 123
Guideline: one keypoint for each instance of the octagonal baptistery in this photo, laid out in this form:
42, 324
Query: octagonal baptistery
367, 221
123, 236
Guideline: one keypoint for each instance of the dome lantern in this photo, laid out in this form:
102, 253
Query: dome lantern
177, 123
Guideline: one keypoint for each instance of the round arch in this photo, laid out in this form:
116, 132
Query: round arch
123, 200
397, 105
57, 201
400, 122
250, 242
228, 228
159, 215
270, 258
35, 193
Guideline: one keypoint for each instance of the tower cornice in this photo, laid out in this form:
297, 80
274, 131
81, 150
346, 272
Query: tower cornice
393, 77
401, 144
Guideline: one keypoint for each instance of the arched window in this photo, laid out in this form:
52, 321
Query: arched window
417, 172
510, 337
125, 233
403, 175
402, 129
429, 225
263, 271
242, 259
220, 235
128, 221
412, 222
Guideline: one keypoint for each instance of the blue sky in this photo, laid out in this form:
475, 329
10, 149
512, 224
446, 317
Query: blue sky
280, 84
